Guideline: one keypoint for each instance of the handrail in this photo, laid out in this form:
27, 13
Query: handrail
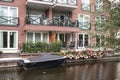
86, 25
39, 20
8, 20
66, 2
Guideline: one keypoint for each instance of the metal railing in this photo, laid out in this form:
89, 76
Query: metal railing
7, 0
45, 0
66, 2
84, 25
39, 20
6, 20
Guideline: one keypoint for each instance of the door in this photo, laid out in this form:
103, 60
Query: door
8, 39
83, 40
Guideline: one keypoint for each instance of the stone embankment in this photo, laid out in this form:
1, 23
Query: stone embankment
10, 60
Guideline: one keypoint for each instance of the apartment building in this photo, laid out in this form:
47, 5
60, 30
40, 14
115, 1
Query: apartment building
71, 21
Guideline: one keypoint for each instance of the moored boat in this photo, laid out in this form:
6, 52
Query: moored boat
42, 61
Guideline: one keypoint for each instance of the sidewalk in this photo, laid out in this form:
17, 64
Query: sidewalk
9, 60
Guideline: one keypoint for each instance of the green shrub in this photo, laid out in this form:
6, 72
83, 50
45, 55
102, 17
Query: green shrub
41, 47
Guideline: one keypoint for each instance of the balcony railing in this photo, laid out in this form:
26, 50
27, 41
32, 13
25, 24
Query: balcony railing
86, 7
6, 20
7, 0
38, 20
44, 0
84, 25
66, 2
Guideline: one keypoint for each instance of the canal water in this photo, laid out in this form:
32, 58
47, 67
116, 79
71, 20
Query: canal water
89, 71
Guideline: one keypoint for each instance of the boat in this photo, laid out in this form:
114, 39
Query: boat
42, 61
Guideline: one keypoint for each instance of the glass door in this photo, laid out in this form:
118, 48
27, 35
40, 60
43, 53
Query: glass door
8, 39
83, 40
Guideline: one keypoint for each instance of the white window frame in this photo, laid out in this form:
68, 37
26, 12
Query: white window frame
41, 33
83, 40
100, 20
8, 32
86, 5
9, 12
82, 21
100, 37
98, 6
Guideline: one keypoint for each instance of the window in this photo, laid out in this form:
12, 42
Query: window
45, 37
83, 40
8, 15
84, 21
86, 5
7, 0
99, 5
100, 21
118, 34
100, 40
36, 37
9, 39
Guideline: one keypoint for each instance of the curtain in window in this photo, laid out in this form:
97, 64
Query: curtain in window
13, 16
1, 39
29, 37
37, 37
3, 15
15, 40
45, 37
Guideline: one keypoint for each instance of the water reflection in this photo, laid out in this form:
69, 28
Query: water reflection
91, 71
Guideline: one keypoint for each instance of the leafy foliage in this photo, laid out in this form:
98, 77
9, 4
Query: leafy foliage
112, 25
41, 47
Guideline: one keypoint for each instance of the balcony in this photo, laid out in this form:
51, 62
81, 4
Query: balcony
7, 0
64, 5
9, 21
39, 20
39, 4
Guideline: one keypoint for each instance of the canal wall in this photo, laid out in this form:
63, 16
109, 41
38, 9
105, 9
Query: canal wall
7, 61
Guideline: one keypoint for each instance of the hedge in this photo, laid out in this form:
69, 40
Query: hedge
41, 47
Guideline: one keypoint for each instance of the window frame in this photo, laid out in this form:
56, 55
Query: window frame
101, 40
82, 21
34, 37
9, 16
84, 40
85, 6
100, 8
100, 21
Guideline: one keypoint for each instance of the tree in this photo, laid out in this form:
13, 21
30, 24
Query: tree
112, 26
